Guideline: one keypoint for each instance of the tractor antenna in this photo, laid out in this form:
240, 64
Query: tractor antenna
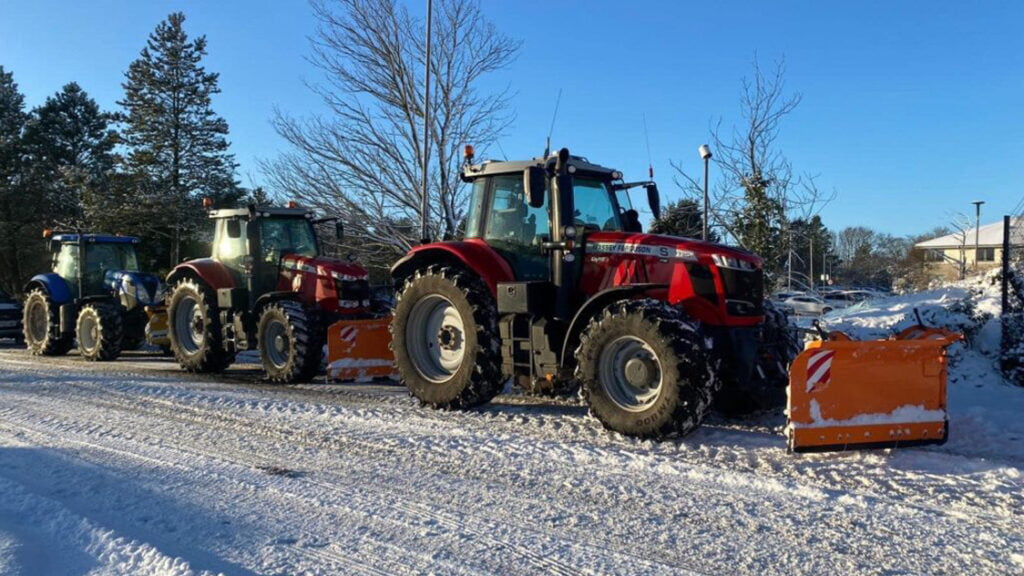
547, 147
647, 137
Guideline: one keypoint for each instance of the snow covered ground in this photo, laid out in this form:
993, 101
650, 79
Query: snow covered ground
135, 468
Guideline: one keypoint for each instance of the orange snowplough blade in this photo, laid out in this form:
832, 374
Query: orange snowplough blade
846, 394
358, 349
156, 328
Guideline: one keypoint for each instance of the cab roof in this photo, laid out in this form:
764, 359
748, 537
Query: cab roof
490, 167
263, 211
95, 238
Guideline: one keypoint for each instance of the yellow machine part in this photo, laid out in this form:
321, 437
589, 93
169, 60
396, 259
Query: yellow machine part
846, 394
359, 349
156, 328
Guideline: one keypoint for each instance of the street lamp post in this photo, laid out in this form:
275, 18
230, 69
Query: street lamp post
705, 154
977, 228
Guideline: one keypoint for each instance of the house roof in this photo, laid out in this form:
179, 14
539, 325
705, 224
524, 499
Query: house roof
988, 235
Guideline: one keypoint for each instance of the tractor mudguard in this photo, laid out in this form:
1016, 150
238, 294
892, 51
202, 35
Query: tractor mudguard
56, 287
210, 271
595, 304
360, 349
847, 394
473, 254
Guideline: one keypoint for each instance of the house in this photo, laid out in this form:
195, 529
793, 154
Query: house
946, 256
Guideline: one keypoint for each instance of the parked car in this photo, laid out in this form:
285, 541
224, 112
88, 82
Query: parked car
806, 304
839, 299
10, 318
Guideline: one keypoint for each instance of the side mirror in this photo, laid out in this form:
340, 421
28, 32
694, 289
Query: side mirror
234, 228
535, 184
654, 200
339, 230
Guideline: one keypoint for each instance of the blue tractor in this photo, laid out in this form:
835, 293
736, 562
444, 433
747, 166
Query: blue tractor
95, 296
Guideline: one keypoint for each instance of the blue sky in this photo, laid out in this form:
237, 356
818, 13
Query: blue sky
910, 109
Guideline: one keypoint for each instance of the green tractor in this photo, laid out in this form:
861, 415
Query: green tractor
95, 295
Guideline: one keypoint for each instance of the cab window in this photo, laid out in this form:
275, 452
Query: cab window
515, 229
595, 205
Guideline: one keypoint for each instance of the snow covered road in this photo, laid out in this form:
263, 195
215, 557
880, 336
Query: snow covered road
134, 468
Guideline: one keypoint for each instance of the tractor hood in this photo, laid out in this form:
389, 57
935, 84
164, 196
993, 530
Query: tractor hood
134, 288
668, 247
324, 267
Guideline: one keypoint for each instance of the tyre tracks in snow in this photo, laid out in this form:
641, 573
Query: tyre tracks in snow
550, 455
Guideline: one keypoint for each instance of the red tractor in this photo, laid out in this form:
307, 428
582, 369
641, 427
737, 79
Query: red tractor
555, 284
266, 287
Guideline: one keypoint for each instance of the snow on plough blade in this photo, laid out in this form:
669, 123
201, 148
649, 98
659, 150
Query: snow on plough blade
359, 349
847, 394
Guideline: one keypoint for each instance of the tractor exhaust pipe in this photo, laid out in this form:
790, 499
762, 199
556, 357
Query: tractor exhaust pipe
563, 258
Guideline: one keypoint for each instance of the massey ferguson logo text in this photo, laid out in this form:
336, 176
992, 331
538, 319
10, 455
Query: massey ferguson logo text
640, 250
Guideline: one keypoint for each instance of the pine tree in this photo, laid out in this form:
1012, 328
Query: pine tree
70, 145
682, 218
16, 207
174, 137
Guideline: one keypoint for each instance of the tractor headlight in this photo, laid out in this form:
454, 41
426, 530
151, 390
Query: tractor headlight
569, 231
723, 261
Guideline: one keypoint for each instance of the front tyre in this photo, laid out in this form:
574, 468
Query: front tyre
445, 339
290, 342
41, 326
99, 331
195, 328
643, 370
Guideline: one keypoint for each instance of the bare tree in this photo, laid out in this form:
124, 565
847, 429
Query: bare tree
757, 193
363, 160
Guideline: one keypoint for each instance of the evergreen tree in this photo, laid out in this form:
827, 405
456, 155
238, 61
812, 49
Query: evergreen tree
683, 218
70, 144
16, 206
174, 137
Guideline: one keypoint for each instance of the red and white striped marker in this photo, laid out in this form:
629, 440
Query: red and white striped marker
819, 369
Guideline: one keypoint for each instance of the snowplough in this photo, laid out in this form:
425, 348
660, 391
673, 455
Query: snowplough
845, 393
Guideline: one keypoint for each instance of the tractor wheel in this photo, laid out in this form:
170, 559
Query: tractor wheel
445, 339
194, 328
291, 342
41, 325
644, 369
99, 331
766, 390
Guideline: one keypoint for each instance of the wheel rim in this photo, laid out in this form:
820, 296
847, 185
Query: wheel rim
38, 321
436, 338
189, 325
88, 331
276, 343
630, 373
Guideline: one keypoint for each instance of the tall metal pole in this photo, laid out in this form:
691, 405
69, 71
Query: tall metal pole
705, 153
789, 276
1005, 304
424, 233
977, 228
810, 257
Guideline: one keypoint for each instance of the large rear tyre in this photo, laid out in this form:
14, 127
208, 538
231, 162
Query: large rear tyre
291, 342
445, 339
194, 328
643, 369
41, 326
99, 331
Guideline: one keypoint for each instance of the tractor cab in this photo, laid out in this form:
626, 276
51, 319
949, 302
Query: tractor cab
103, 257
513, 215
255, 241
